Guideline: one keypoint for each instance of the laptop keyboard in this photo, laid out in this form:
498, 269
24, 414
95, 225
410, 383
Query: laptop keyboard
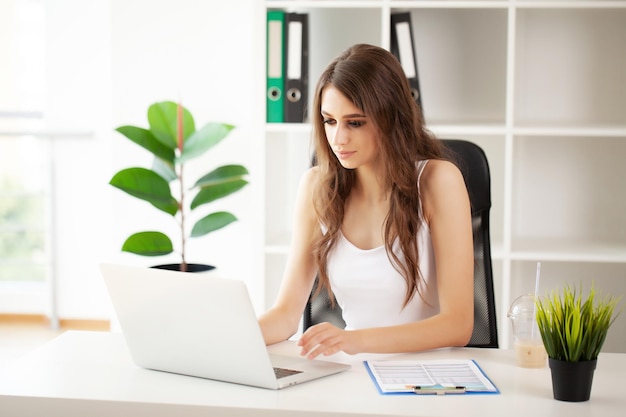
283, 372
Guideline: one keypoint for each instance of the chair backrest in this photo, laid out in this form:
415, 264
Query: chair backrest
473, 163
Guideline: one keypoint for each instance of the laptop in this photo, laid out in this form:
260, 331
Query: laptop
201, 325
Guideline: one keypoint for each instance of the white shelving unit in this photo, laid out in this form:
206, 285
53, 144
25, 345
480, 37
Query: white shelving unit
540, 85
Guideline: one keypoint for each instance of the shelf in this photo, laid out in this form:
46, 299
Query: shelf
578, 87
444, 130
48, 134
323, 4
490, 129
540, 86
438, 129
461, 60
572, 4
288, 128
572, 131
570, 188
447, 4
525, 250
452, 4
567, 250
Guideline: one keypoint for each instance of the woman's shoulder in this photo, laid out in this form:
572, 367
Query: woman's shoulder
441, 182
440, 172
305, 197
307, 184
309, 178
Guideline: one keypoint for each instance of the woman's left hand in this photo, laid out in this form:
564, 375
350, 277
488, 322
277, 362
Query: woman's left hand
326, 339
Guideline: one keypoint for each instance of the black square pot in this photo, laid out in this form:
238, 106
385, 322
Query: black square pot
571, 381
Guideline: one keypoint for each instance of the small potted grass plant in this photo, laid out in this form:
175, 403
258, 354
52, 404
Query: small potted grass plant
573, 332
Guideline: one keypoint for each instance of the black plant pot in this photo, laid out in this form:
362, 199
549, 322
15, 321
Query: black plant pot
571, 381
190, 267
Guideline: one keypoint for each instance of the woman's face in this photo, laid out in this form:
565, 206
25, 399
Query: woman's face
351, 134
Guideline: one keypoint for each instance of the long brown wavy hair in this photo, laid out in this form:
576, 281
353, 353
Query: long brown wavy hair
372, 78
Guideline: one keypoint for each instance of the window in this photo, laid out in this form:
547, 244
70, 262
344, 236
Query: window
24, 155
23, 208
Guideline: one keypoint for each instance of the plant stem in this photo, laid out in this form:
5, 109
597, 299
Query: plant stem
181, 208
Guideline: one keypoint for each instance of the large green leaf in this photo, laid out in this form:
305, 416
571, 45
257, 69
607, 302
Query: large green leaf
204, 139
212, 222
146, 185
226, 173
167, 171
163, 120
214, 192
148, 244
148, 141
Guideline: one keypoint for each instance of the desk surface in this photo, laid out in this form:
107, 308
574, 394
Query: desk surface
91, 373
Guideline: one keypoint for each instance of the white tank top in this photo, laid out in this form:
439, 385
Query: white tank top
369, 289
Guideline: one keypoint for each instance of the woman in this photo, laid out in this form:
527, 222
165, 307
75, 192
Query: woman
383, 219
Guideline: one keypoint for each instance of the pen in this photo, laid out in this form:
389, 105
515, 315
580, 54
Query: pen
436, 390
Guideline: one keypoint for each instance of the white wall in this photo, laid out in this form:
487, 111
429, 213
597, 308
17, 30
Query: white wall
107, 61
78, 99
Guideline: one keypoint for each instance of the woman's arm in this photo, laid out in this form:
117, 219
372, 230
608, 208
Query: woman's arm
281, 321
447, 211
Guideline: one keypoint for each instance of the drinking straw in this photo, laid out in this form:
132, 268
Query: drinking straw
532, 331
537, 279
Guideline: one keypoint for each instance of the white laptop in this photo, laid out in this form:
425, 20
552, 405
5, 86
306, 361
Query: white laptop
201, 325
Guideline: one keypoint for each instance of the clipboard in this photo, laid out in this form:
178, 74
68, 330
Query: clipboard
440, 377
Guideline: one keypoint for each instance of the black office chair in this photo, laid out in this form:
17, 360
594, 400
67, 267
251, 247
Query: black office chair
473, 163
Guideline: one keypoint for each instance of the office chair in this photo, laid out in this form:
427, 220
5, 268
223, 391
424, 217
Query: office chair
473, 163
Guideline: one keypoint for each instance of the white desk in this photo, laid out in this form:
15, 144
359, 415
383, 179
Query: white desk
91, 374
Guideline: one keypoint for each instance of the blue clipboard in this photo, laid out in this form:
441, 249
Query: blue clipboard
433, 389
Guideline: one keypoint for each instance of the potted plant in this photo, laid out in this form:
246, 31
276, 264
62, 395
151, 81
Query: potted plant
573, 332
174, 141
